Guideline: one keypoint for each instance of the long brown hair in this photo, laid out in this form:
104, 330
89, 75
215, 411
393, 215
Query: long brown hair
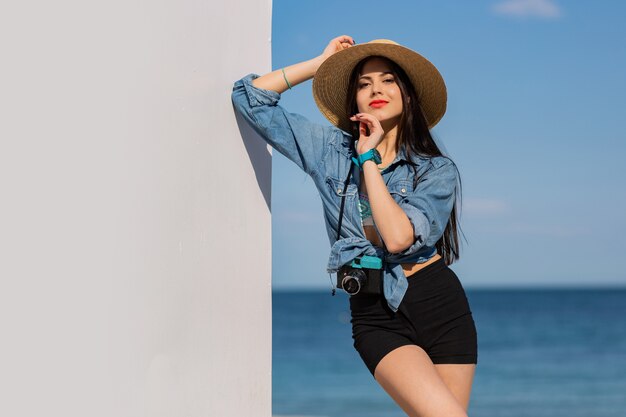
414, 135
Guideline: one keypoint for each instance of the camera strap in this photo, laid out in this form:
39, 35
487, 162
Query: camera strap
343, 202
343, 198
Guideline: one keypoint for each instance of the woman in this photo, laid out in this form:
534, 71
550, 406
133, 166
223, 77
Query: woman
417, 338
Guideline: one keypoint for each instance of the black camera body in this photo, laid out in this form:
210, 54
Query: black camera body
364, 275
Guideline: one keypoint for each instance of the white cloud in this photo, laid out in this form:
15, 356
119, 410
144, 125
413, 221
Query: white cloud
483, 206
535, 8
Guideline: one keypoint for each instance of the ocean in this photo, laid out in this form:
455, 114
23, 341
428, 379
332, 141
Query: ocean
541, 353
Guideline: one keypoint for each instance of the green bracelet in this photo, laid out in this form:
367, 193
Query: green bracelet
286, 80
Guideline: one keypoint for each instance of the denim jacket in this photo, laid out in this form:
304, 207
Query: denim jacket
324, 153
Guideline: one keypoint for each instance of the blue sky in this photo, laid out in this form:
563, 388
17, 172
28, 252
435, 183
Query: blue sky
536, 105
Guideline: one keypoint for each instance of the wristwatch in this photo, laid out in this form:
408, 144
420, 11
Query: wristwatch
371, 154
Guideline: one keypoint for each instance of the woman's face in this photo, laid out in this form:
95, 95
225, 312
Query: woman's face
378, 93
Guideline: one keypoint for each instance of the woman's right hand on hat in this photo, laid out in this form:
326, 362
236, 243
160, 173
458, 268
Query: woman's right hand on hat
335, 45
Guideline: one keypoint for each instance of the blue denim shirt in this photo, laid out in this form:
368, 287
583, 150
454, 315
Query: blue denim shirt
324, 153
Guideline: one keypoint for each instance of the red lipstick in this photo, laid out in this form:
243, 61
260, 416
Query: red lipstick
378, 103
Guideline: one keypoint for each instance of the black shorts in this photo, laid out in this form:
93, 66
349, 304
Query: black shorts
434, 314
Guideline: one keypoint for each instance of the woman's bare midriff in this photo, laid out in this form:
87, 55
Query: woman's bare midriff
409, 268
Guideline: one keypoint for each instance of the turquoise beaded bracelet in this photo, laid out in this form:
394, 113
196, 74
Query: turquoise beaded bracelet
286, 80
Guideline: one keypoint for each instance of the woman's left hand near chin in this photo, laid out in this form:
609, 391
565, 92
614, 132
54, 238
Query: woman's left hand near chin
376, 132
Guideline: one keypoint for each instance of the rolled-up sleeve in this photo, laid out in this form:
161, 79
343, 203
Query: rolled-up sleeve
429, 206
291, 134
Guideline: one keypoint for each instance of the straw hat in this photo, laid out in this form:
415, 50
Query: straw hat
330, 83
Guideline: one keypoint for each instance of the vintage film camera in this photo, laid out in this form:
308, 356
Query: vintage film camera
364, 275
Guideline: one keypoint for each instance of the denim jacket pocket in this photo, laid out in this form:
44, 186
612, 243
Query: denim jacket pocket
335, 191
336, 187
400, 189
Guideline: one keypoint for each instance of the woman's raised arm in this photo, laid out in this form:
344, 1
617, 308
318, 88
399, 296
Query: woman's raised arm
301, 71
293, 135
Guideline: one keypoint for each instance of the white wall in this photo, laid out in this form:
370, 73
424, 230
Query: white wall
135, 248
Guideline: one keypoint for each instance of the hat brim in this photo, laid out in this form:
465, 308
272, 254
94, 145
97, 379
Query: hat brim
330, 83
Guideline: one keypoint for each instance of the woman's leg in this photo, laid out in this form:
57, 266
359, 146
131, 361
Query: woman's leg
437, 307
409, 376
458, 378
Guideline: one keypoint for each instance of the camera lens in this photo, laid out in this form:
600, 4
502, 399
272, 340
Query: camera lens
353, 281
351, 285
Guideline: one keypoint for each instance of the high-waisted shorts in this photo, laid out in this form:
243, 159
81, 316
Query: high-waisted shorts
434, 314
